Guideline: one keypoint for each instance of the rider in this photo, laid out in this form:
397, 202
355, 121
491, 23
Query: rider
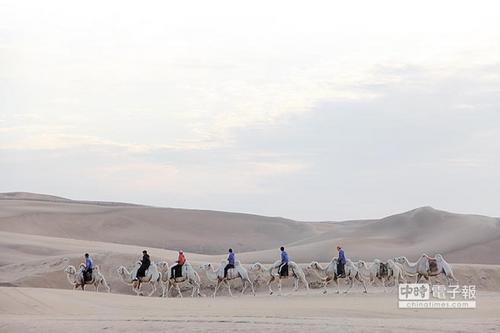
230, 262
177, 267
341, 262
284, 262
89, 266
145, 262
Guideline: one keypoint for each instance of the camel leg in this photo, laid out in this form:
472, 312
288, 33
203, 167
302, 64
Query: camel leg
228, 285
105, 284
351, 282
363, 283
251, 286
96, 285
325, 284
279, 286
198, 293
194, 288
244, 287
179, 293
216, 287
170, 286
137, 290
164, 288
269, 285
383, 283
153, 289
306, 284
338, 288
295, 284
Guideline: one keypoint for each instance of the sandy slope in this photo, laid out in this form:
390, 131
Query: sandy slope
37, 310
193, 230
461, 238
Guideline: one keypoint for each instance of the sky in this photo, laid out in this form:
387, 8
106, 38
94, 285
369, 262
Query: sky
311, 110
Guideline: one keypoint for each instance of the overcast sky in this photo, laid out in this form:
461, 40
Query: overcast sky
309, 110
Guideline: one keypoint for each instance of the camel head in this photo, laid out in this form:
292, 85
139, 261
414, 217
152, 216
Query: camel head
312, 265
256, 267
400, 260
70, 270
361, 264
122, 270
162, 265
438, 257
206, 266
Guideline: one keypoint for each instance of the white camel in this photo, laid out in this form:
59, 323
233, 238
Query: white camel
382, 272
77, 278
396, 271
152, 277
427, 267
375, 272
330, 274
294, 271
189, 275
217, 275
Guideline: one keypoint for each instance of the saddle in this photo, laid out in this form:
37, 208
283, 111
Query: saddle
232, 273
433, 266
383, 271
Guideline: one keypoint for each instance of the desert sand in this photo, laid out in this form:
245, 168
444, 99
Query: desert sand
40, 235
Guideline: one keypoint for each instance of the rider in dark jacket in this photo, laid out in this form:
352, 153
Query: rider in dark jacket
145, 262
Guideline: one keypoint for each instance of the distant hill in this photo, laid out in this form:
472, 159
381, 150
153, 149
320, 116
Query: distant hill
460, 237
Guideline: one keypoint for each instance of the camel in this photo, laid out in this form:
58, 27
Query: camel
427, 267
294, 271
217, 275
330, 272
189, 275
376, 271
153, 277
396, 271
77, 280
382, 271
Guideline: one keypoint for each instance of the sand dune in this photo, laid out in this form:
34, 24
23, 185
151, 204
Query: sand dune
461, 238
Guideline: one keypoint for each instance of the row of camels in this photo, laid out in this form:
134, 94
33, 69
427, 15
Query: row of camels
158, 275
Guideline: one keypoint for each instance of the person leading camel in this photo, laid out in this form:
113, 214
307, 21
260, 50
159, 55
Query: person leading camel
341, 262
145, 262
230, 262
176, 269
89, 266
283, 268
